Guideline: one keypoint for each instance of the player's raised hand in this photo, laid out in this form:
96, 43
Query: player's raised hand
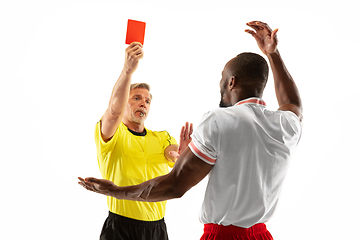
133, 53
264, 36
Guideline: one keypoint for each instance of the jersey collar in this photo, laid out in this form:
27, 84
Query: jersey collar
251, 100
142, 134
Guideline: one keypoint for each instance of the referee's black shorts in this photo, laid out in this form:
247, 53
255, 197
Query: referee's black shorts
117, 227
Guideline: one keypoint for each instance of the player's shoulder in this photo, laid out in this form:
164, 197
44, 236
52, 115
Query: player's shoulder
215, 112
222, 112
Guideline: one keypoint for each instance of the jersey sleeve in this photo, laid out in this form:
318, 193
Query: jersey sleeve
205, 142
102, 147
291, 127
169, 140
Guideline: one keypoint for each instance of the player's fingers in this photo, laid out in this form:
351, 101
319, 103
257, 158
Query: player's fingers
254, 25
273, 34
91, 180
252, 33
264, 26
85, 185
83, 182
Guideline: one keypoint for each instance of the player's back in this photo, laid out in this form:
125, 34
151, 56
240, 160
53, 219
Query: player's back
252, 155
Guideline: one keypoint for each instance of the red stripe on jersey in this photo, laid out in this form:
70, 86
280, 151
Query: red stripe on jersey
201, 154
258, 101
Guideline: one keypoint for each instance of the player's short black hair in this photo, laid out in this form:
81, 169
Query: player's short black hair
250, 70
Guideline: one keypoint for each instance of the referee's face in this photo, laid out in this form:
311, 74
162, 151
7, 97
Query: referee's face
138, 106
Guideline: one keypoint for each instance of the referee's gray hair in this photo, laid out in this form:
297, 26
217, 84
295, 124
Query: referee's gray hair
141, 85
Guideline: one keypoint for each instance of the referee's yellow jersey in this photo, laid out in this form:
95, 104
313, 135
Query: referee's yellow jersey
128, 159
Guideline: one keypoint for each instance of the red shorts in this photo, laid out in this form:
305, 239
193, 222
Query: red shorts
231, 232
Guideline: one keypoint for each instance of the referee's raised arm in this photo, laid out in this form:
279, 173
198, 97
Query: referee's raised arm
120, 93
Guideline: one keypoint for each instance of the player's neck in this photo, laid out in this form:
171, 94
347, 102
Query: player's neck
242, 95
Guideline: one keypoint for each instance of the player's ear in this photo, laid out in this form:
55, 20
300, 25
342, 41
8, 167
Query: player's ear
232, 82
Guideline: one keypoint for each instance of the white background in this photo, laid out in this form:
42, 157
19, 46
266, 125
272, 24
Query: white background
60, 59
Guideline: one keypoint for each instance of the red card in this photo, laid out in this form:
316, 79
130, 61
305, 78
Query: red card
135, 32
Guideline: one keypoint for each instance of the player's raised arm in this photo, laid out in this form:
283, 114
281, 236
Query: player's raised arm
286, 91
